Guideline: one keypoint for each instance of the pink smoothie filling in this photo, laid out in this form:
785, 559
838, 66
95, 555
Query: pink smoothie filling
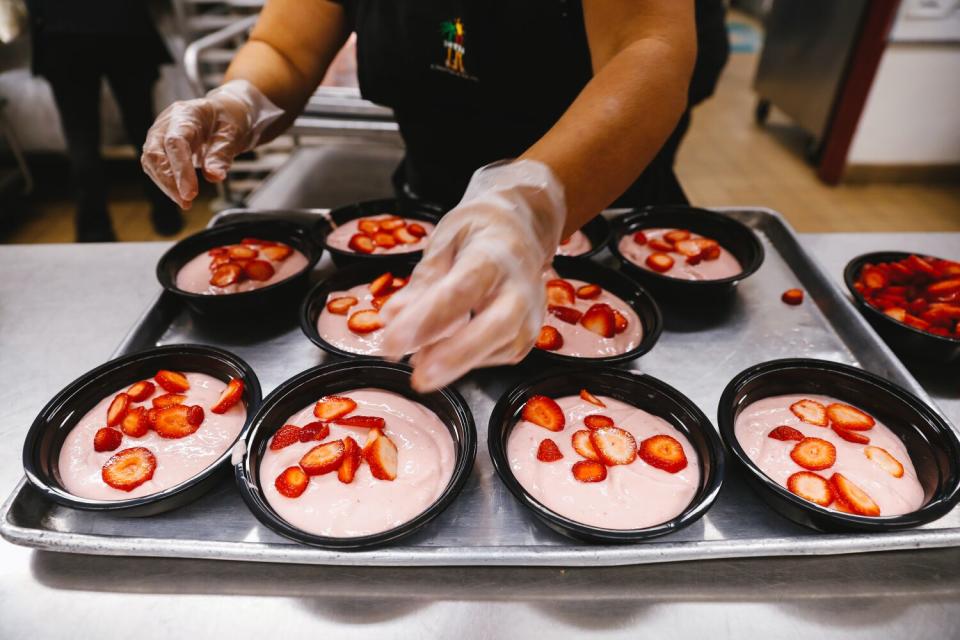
893, 495
576, 245
195, 275
367, 505
333, 327
177, 459
339, 238
633, 496
580, 342
725, 266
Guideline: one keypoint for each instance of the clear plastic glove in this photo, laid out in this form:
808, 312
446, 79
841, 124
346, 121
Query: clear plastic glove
207, 133
486, 258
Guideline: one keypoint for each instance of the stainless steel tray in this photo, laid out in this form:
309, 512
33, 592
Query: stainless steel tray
485, 526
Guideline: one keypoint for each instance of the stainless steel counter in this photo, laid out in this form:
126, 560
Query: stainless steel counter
64, 308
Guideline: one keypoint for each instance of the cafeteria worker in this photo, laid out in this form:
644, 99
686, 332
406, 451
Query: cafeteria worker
525, 118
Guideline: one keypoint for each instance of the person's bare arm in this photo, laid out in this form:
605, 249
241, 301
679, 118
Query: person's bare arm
643, 52
288, 53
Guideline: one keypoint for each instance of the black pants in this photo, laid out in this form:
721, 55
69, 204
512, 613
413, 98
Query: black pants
77, 94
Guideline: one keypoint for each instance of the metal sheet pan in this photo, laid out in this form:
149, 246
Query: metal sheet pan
485, 526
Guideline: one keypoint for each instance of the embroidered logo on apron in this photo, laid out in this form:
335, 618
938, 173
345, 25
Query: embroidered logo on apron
454, 50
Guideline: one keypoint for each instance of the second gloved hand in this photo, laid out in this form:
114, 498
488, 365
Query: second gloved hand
486, 258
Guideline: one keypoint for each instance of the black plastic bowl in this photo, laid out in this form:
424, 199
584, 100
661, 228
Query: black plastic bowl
41, 450
341, 280
415, 210
624, 288
931, 442
598, 232
275, 297
313, 384
643, 391
734, 236
904, 339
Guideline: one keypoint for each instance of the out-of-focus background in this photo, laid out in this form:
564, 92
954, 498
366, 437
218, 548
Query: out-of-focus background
844, 115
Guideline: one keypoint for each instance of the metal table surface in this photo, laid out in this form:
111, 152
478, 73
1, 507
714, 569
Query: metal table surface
64, 308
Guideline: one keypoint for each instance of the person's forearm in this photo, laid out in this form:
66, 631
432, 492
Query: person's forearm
616, 125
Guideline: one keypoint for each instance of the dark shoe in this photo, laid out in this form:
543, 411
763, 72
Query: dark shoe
167, 219
96, 234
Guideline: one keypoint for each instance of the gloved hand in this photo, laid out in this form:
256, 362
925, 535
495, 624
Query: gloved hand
208, 133
486, 257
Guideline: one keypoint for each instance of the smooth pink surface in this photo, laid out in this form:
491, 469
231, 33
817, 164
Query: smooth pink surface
194, 276
632, 496
339, 238
583, 343
177, 459
723, 267
328, 507
578, 245
894, 495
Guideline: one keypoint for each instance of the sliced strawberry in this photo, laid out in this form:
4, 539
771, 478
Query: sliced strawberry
677, 235
366, 321
404, 236
218, 252
366, 422
385, 240
377, 302
106, 439
614, 445
620, 322
117, 409
352, 455
217, 262
783, 432
811, 487
589, 471
592, 399
242, 252
565, 241
259, 270
694, 260
566, 314
173, 422
944, 287
416, 229
663, 452
382, 284
372, 435
661, 245
659, 262
135, 423
292, 482
873, 278
851, 436
152, 416
230, 396
640, 238
316, 430
381, 456
168, 400
544, 412
885, 460
341, 305
399, 283
847, 417
814, 454
140, 391
709, 249
368, 226
276, 253
195, 415
285, 436
689, 248
332, 407
172, 381
226, 274
853, 497
916, 264
323, 458
897, 313
128, 469
583, 445
560, 293
916, 323
392, 223
597, 421
589, 291
361, 243
256, 242
548, 451
600, 320
810, 411
792, 296
549, 339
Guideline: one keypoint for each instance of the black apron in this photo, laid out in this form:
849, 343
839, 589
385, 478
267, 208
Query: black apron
475, 81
